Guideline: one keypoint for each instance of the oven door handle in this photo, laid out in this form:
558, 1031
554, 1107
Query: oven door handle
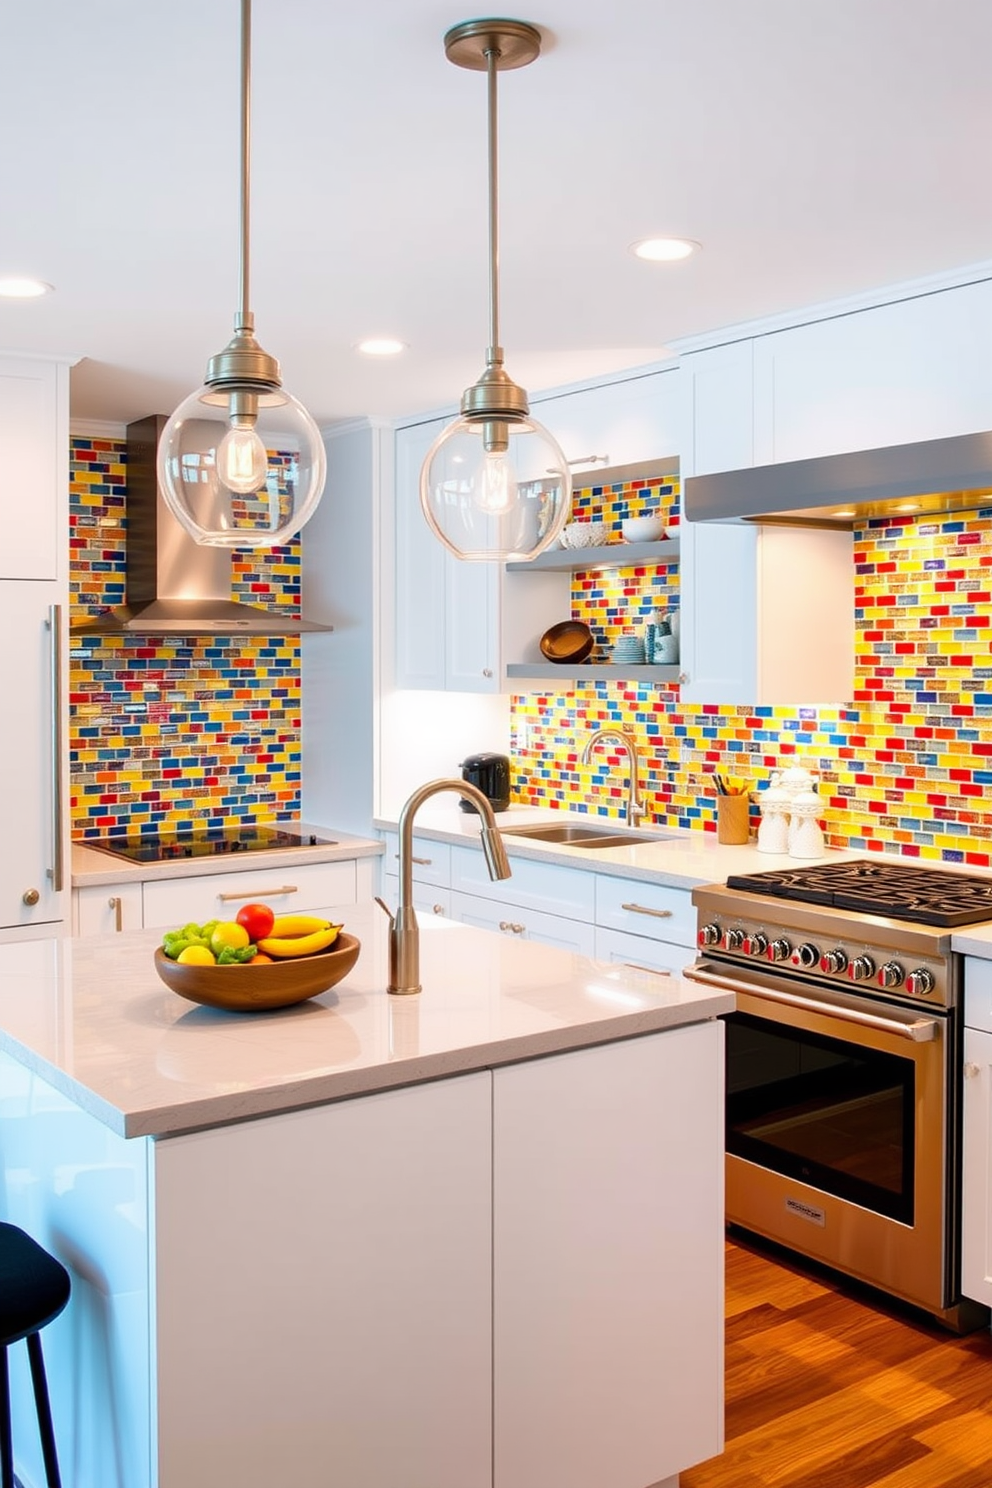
920, 1030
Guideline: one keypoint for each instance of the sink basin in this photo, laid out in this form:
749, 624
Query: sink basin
581, 836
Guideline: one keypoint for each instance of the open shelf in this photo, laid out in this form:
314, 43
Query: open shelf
591, 671
609, 555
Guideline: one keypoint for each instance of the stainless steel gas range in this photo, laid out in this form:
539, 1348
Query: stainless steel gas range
844, 1065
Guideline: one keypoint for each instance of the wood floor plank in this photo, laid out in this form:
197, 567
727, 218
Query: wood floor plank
826, 1389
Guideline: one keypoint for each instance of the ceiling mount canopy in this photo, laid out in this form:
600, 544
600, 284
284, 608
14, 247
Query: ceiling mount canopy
241, 462
495, 485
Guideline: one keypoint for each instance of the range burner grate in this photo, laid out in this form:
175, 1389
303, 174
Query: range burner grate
924, 896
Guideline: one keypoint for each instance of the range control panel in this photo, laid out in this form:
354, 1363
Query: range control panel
844, 960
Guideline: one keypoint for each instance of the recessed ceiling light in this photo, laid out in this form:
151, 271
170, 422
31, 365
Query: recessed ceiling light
17, 287
664, 250
381, 346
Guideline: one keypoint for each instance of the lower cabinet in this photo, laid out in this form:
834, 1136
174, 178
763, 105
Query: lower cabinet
133, 905
524, 923
976, 1167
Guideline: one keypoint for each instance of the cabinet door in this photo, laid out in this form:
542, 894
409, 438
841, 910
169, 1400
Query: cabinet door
608, 1262
106, 909
640, 952
634, 418
890, 374
976, 1215
34, 474
34, 862
420, 569
427, 898
343, 1257
524, 923
543, 886
657, 911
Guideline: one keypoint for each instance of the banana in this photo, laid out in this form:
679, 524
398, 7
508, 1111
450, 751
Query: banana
289, 925
299, 945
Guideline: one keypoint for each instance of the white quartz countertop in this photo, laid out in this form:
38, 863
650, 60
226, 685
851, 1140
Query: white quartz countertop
679, 857
91, 1016
973, 940
91, 867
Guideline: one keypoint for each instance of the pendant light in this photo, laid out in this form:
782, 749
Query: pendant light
495, 484
241, 463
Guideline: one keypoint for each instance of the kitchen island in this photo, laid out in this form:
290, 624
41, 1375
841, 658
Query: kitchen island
464, 1238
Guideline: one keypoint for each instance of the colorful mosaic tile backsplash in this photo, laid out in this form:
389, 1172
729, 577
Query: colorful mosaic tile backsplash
168, 734
906, 766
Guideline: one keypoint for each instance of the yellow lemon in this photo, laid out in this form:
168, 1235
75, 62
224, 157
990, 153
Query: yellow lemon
228, 933
196, 956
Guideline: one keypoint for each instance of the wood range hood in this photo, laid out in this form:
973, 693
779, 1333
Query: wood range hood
899, 480
173, 585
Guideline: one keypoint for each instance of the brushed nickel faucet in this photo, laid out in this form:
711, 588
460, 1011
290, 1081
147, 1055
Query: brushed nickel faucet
635, 807
404, 935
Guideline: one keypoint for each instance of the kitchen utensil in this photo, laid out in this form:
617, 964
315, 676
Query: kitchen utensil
732, 825
254, 989
570, 640
491, 773
647, 528
584, 535
666, 650
630, 649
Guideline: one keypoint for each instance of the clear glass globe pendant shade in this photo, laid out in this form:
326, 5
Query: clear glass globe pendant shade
240, 481
495, 490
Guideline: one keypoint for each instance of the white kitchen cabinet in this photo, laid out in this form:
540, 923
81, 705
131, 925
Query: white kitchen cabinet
427, 898
524, 923
34, 865
34, 483
107, 909
628, 419
767, 611
976, 1163
607, 1247
312, 888
914, 369
644, 924
548, 887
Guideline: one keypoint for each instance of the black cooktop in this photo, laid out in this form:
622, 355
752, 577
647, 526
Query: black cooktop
165, 847
898, 891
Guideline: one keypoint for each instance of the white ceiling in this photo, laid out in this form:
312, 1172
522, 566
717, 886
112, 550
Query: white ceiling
816, 148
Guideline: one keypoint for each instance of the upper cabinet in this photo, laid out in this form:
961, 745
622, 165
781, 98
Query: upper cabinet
637, 417
34, 455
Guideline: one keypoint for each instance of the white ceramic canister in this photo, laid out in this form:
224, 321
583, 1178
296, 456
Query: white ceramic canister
773, 829
805, 833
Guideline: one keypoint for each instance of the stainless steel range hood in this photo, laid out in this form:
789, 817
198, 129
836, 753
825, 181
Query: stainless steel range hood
936, 475
173, 585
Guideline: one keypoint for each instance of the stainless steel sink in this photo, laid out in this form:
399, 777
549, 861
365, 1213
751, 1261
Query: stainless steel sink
581, 836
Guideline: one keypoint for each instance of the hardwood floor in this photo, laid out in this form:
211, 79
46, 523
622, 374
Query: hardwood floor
826, 1390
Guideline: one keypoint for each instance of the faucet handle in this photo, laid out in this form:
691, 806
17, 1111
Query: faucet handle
385, 909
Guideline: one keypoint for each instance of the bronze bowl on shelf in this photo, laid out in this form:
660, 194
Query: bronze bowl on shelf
570, 641
246, 988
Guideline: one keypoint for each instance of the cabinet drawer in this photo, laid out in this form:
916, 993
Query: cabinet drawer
543, 886
106, 909
427, 898
524, 923
431, 860
307, 887
646, 909
978, 993
620, 949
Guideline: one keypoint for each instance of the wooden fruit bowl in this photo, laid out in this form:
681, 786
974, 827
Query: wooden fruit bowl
271, 984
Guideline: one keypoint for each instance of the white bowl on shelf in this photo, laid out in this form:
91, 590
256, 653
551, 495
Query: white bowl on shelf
584, 535
642, 529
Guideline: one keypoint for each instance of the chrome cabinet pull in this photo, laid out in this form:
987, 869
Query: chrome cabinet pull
659, 914
117, 905
259, 893
510, 927
57, 870
438, 909
637, 966
424, 862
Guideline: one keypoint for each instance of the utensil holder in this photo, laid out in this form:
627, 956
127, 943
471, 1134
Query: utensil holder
732, 819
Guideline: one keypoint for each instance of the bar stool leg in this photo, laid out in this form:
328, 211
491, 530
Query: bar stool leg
6, 1444
41, 1400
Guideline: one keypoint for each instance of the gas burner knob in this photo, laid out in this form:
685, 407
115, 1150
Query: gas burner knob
709, 935
861, 968
833, 961
733, 940
755, 945
920, 982
779, 950
891, 974
807, 956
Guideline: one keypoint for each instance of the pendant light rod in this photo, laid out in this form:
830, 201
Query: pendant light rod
243, 277
495, 352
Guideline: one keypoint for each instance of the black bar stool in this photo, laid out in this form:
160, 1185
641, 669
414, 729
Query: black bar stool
34, 1288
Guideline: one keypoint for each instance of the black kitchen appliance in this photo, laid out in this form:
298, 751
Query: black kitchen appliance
491, 773
165, 847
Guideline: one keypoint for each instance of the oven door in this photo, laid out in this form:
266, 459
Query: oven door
839, 1128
